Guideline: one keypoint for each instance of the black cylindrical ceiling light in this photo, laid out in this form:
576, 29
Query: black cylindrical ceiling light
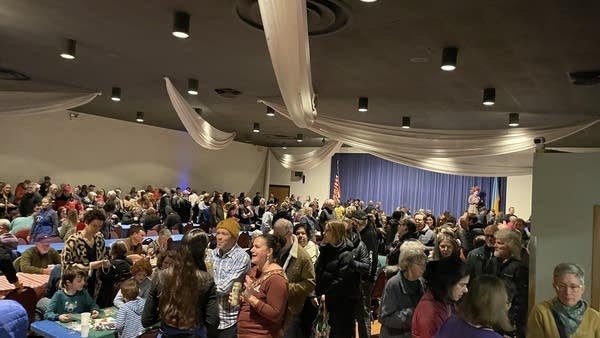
449, 55
299, 138
192, 87
139, 117
181, 25
115, 94
69, 50
489, 96
283, 146
405, 122
256, 127
270, 111
363, 104
513, 119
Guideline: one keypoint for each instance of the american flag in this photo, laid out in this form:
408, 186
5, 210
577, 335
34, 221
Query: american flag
337, 192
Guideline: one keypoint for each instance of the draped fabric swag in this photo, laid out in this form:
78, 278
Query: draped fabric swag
458, 152
286, 30
200, 130
17, 103
309, 160
361, 176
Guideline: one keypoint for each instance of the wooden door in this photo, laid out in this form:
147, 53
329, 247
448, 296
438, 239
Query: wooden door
279, 191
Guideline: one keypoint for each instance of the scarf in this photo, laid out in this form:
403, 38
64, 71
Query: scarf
570, 316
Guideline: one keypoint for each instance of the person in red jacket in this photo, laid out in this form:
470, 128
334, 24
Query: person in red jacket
446, 282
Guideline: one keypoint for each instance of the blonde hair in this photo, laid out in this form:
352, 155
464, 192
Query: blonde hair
512, 240
336, 230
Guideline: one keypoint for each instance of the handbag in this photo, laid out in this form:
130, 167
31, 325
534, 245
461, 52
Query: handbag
321, 326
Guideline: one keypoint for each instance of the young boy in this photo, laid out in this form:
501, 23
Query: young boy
72, 298
129, 316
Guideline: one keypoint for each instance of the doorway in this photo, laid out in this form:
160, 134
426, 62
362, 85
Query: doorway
279, 191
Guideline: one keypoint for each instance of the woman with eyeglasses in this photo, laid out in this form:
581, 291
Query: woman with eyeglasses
567, 314
403, 291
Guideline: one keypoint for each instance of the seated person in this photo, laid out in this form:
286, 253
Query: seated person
8, 243
151, 219
135, 251
160, 244
172, 220
41, 258
140, 272
118, 270
129, 315
72, 298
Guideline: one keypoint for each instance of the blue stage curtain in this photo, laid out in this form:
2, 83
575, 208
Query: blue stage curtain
368, 177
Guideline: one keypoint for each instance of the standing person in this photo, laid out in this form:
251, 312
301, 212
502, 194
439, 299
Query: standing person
403, 291
326, 214
183, 297
230, 264
567, 314
85, 250
303, 234
246, 214
6, 200
507, 265
482, 313
337, 279
265, 292
447, 282
473, 200
368, 235
300, 272
30, 199
217, 213
479, 257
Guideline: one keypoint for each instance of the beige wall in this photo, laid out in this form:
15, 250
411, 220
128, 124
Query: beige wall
518, 195
565, 189
110, 153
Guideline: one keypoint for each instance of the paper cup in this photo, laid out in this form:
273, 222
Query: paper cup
85, 323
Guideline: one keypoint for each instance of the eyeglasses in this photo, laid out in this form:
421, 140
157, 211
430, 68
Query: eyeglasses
564, 287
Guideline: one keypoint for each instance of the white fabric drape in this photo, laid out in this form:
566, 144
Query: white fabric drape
17, 103
200, 130
459, 152
286, 30
308, 160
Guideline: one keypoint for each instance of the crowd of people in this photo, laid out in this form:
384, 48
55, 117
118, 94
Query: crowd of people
309, 270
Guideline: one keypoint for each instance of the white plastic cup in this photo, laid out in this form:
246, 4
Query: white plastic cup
85, 323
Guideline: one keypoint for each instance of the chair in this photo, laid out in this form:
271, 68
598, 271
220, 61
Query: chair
152, 233
243, 240
27, 298
377, 294
17, 264
118, 230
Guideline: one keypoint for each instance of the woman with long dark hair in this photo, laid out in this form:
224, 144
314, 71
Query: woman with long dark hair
183, 297
447, 281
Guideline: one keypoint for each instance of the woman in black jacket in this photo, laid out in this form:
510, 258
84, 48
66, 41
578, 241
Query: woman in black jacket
338, 279
183, 297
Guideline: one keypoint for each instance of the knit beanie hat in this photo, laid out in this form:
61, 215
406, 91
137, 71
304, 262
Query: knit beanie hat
231, 225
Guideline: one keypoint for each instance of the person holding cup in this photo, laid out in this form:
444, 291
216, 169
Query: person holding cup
72, 298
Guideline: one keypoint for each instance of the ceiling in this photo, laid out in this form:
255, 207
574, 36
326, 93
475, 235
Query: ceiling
389, 51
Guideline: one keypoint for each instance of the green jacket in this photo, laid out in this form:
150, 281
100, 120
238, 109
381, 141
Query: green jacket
34, 262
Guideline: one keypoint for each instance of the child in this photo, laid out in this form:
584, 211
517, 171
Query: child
140, 271
72, 298
118, 271
129, 316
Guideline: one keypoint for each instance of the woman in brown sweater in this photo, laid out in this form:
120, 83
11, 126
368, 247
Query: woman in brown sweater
266, 291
